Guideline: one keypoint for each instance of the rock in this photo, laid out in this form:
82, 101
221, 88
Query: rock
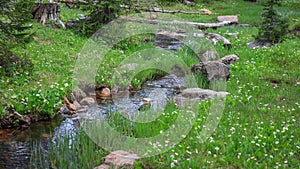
259, 44
78, 94
77, 105
103, 92
88, 101
230, 18
69, 105
64, 110
232, 35
213, 70
206, 12
229, 59
121, 159
170, 40
209, 55
215, 38
146, 100
191, 95
298, 84
103, 166
188, 3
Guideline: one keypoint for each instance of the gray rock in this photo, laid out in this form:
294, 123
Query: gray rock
230, 18
229, 59
78, 94
209, 55
215, 38
88, 101
259, 44
213, 70
232, 35
192, 95
188, 3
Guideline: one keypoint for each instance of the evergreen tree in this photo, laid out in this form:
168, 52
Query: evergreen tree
14, 27
273, 27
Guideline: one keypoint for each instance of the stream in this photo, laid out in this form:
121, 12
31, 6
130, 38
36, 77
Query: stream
16, 145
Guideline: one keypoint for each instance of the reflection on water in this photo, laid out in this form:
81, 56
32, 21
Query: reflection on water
15, 146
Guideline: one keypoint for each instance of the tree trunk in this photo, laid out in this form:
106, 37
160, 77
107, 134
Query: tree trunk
43, 11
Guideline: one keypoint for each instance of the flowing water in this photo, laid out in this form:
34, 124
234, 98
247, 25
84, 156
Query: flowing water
16, 145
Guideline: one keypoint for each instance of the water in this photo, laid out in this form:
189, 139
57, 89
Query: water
16, 145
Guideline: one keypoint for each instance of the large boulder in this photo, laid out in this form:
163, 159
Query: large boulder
212, 70
192, 95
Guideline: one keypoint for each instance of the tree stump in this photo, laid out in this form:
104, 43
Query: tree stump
43, 11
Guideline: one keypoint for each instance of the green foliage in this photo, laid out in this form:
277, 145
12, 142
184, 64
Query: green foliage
61, 153
273, 27
14, 27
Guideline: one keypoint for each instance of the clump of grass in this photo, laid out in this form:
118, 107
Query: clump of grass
68, 152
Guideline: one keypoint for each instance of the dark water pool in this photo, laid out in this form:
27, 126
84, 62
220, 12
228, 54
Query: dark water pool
16, 145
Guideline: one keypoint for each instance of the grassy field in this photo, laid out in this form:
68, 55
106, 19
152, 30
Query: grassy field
260, 124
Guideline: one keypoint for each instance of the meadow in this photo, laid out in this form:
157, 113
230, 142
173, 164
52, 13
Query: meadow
259, 127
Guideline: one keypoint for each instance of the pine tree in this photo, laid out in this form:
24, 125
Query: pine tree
273, 27
14, 27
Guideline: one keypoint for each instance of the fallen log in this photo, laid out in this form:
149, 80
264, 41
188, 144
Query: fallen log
169, 11
198, 25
